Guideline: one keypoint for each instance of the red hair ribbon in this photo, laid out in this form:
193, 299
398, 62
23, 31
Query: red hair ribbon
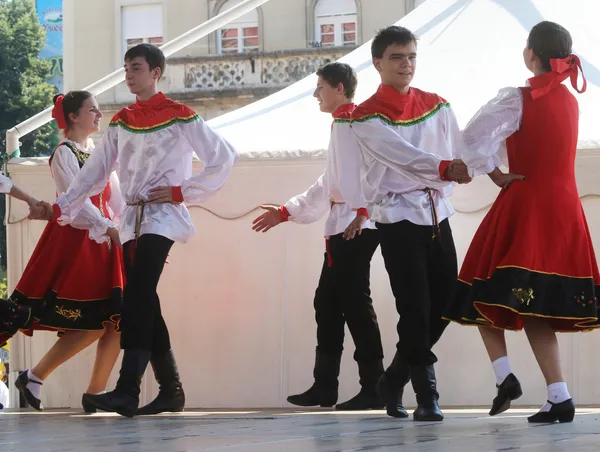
562, 68
59, 114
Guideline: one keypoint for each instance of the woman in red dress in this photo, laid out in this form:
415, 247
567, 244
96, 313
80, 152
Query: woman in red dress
73, 282
531, 263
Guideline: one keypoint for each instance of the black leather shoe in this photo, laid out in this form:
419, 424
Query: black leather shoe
425, 386
315, 396
125, 398
509, 390
391, 396
561, 412
21, 384
366, 399
171, 397
88, 408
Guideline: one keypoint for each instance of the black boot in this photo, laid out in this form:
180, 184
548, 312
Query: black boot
367, 398
509, 390
561, 412
425, 386
324, 391
171, 397
390, 387
126, 396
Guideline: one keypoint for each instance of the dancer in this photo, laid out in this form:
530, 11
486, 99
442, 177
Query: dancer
408, 139
153, 141
531, 263
343, 293
74, 279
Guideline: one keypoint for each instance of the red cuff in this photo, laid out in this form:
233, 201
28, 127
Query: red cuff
284, 214
56, 213
176, 194
443, 167
362, 212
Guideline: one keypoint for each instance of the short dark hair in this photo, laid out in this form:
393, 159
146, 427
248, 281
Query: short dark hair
72, 102
549, 40
152, 54
336, 73
390, 36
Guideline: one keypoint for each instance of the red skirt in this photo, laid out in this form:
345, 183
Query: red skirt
531, 256
71, 282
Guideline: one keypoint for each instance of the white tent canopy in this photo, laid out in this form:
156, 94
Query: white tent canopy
468, 49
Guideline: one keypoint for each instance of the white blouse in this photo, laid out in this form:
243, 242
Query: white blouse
485, 135
64, 168
339, 184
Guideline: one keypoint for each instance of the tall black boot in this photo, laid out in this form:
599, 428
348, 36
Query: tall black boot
367, 398
324, 391
390, 387
126, 396
171, 397
425, 386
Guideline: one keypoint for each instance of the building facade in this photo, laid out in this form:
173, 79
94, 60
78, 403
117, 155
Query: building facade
258, 54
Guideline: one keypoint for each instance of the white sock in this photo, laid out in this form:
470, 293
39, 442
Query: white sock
36, 389
501, 369
557, 393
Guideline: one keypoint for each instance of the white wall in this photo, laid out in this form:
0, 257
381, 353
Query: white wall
239, 304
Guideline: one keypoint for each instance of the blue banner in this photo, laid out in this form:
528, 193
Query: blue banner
50, 14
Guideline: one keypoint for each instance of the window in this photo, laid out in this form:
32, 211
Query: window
335, 23
241, 35
142, 24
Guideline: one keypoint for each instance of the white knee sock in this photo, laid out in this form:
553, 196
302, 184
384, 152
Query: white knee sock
557, 393
501, 369
36, 389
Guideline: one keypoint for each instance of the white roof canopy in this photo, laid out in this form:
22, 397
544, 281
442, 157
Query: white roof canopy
468, 50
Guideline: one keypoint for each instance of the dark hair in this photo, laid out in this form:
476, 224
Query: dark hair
336, 73
390, 36
152, 54
72, 102
549, 40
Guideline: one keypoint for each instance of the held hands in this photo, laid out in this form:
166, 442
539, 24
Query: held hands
267, 220
504, 180
355, 227
39, 210
457, 171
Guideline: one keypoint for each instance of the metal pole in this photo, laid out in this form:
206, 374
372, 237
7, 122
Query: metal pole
104, 84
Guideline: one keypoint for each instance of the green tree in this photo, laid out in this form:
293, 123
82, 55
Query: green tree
23, 87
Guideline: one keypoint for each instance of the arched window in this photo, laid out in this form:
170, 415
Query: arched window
335, 23
241, 35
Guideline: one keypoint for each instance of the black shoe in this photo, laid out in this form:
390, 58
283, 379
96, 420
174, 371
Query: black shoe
509, 390
425, 386
315, 396
324, 391
391, 397
126, 396
171, 397
561, 412
88, 408
21, 384
366, 399
390, 387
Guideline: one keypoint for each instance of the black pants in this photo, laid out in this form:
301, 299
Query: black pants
344, 296
422, 272
142, 323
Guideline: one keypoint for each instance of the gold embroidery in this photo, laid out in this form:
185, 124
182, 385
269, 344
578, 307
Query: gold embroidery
524, 295
69, 314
